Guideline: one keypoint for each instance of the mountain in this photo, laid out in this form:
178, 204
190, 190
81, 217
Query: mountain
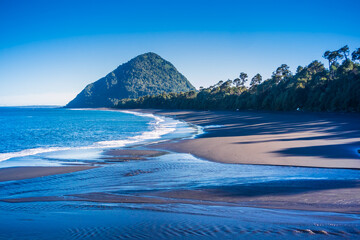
146, 74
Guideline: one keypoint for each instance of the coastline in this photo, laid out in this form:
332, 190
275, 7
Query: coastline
323, 140
21, 173
217, 145
11, 173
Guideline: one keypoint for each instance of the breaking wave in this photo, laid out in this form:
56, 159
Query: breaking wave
158, 127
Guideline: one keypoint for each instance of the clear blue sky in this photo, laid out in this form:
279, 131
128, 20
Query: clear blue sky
50, 50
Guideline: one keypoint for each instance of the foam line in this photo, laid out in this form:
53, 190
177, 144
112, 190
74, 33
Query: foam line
157, 128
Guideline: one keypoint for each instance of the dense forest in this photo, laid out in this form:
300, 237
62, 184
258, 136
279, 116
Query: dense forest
146, 74
311, 88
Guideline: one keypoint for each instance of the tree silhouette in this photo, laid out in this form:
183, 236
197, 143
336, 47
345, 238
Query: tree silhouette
356, 55
332, 57
282, 73
344, 51
256, 80
243, 78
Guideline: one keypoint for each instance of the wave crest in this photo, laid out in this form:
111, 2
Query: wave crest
158, 128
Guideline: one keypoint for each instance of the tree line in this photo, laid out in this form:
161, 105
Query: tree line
312, 88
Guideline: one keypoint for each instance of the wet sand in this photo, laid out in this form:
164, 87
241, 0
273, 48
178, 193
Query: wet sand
322, 196
20, 173
325, 195
324, 140
109, 156
124, 155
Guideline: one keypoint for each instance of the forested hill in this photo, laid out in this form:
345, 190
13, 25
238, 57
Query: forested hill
311, 88
146, 74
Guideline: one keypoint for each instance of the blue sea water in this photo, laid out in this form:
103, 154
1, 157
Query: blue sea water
27, 128
28, 131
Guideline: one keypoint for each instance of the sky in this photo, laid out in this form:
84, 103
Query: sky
50, 50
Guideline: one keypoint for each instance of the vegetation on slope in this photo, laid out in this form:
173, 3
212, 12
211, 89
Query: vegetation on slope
311, 88
146, 74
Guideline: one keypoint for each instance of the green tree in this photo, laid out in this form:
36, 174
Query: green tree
309, 89
282, 73
227, 84
356, 55
256, 80
344, 51
332, 57
237, 82
299, 69
243, 78
327, 55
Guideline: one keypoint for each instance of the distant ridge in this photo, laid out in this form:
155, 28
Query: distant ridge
146, 74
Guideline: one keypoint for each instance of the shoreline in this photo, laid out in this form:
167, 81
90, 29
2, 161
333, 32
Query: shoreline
317, 140
308, 196
22, 173
12, 173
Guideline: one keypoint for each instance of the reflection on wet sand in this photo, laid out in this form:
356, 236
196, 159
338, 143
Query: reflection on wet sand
190, 199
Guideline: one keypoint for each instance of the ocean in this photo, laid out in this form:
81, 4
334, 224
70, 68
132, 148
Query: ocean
132, 198
35, 131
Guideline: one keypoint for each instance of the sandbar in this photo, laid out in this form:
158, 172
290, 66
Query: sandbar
20, 173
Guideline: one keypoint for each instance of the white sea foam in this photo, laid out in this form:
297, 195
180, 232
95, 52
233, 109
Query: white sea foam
202, 130
213, 126
159, 127
28, 152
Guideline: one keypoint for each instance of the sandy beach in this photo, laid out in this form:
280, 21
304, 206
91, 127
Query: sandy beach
19, 173
326, 195
327, 140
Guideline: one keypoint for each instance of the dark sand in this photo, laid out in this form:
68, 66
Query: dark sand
328, 196
277, 138
19, 173
125, 155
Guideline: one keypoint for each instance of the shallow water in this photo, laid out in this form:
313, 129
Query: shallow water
82, 220
173, 171
99, 221
196, 219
